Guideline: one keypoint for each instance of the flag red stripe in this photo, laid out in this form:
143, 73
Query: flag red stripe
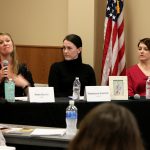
115, 33
119, 57
121, 29
107, 39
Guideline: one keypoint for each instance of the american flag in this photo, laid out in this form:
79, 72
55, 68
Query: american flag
113, 62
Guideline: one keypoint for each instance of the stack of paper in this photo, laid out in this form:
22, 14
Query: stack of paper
49, 131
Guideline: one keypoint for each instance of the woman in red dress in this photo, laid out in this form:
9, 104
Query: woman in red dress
138, 73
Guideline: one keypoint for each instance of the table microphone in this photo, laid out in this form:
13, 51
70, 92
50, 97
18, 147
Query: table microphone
136, 96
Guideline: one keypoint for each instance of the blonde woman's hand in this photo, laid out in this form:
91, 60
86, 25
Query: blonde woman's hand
3, 73
20, 81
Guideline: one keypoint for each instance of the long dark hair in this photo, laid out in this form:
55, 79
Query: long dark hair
108, 127
76, 40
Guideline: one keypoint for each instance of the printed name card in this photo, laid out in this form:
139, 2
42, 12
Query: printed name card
97, 93
41, 94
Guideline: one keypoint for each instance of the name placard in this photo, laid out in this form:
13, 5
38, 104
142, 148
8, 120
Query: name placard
97, 93
41, 94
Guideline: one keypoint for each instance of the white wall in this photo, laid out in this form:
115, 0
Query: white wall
81, 22
34, 22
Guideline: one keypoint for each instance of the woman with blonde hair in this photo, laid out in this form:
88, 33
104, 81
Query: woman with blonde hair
19, 73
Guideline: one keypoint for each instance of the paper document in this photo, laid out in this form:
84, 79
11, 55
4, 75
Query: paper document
2, 126
17, 130
23, 98
81, 97
51, 131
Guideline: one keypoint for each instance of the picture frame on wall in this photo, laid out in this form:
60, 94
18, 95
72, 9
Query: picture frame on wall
118, 87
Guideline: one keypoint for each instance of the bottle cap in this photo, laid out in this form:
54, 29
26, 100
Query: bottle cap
71, 102
76, 77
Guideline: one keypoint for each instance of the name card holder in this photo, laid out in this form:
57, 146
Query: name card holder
97, 93
41, 94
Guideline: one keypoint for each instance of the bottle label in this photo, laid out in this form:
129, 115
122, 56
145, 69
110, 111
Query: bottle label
9, 91
148, 88
71, 115
76, 88
76, 93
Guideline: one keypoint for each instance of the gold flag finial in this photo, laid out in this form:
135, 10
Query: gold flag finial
118, 7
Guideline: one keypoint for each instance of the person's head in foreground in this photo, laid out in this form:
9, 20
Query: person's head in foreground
108, 127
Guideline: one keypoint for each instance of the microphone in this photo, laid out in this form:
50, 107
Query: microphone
136, 96
5, 64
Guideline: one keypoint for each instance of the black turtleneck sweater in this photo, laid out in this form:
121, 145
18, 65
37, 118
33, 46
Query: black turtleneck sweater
62, 74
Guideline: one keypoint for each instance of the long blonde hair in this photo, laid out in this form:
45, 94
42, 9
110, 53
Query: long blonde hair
13, 54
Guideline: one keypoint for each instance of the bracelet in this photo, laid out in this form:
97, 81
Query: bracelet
25, 87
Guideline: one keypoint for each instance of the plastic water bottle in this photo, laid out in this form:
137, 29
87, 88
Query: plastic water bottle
9, 88
76, 88
148, 88
71, 118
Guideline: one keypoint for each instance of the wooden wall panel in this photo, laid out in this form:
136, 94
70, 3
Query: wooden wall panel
39, 59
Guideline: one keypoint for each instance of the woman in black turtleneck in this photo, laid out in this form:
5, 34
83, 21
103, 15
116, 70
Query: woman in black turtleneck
62, 74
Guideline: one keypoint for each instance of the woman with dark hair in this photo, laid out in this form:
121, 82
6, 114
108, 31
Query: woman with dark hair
62, 74
19, 73
108, 127
138, 74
